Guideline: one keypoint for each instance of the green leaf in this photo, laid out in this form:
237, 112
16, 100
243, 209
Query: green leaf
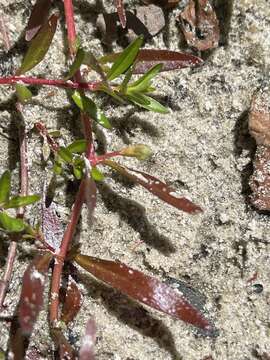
65, 154
140, 151
57, 168
78, 146
78, 172
145, 81
96, 174
23, 93
11, 224
91, 61
91, 109
127, 58
147, 102
18, 201
124, 85
5, 186
39, 45
76, 64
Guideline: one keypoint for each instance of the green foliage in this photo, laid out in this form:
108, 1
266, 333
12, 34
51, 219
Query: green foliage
90, 108
78, 146
126, 59
39, 45
11, 224
5, 187
23, 93
18, 201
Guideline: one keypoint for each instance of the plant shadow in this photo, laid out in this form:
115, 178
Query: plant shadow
244, 142
131, 314
135, 216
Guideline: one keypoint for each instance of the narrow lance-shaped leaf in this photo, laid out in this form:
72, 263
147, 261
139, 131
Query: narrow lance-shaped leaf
5, 186
145, 81
90, 108
72, 302
121, 12
125, 59
147, 58
51, 226
76, 64
31, 299
65, 154
18, 201
37, 18
39, 45
147, 102
90, 196
88, 341
78, 146
144, 288
156, 187
10, 223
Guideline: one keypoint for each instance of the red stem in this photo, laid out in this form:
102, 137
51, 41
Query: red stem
11, 80
59, 263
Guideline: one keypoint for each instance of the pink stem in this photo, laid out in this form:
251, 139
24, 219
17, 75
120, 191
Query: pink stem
93, 86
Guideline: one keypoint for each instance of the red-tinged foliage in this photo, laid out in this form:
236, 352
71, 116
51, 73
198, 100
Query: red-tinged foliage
37, 18
72, 302
156, 187
66, 352
31, 300
200, 25
90, 197
88, 341
144, 288
147, 58
51, 226
171, 60
121, 12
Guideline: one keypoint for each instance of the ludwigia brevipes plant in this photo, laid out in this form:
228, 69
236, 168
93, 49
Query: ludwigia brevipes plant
115, 77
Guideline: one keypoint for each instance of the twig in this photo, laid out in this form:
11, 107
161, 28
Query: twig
11, 80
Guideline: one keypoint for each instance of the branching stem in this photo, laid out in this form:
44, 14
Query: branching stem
11, 80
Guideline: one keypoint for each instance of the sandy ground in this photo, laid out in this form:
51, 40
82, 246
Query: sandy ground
203, 149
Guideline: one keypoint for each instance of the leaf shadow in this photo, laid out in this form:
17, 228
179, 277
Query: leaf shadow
243, 141
131, 313
127, 125
135, 216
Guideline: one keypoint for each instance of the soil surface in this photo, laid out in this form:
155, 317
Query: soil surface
202, 148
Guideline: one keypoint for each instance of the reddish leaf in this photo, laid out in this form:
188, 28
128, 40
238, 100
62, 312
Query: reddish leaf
72, 302
37, 18
88, 341
51, 226
200, 25
145, 289
90, 196
147, 58
31, 300
121, 12
66, 352
156, 187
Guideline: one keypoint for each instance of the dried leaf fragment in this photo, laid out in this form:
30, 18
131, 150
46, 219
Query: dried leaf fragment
259, 128
200, 25
72, 302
